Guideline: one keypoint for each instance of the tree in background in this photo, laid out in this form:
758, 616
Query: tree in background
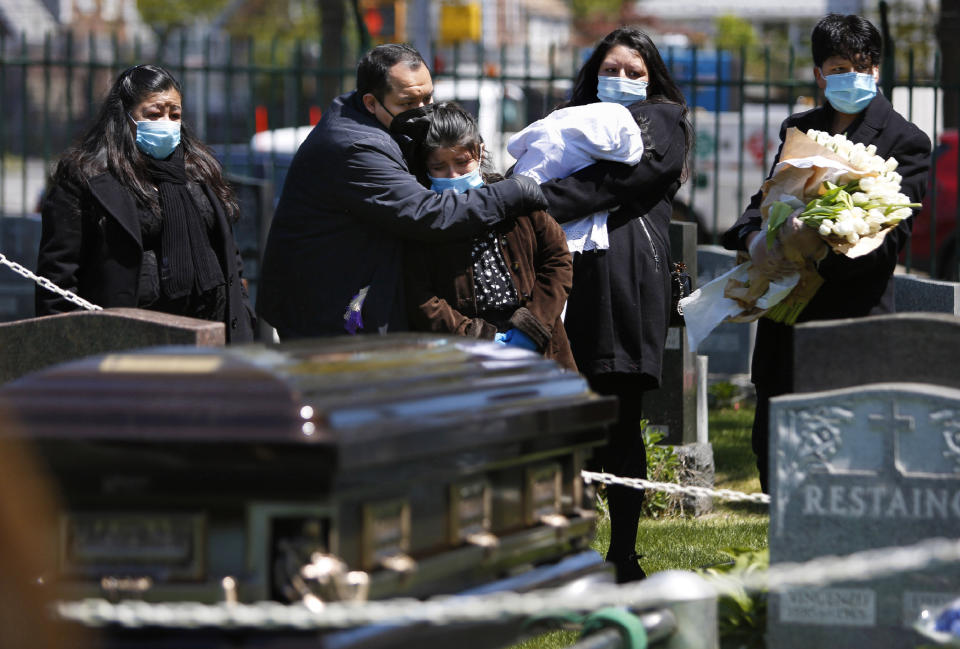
912, 32
585, 9
734, 33
166, 16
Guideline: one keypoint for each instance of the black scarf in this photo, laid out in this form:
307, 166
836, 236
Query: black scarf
189, 264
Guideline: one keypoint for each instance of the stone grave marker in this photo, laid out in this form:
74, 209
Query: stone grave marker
914, 347
19, 242
28, 345
672, 408
730, 345
854, 469
911, 293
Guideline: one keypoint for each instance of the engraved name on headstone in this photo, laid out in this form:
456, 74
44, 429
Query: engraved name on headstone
856, 469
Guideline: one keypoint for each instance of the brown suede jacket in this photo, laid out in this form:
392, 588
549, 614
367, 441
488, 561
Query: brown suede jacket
440, 287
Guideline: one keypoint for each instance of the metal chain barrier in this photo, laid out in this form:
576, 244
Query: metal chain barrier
859, 566
672, 488
47, 284
823, 571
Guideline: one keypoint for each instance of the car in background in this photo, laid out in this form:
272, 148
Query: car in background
933, 245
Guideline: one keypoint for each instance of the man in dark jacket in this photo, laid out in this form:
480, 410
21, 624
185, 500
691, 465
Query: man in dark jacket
846, 53
333, 258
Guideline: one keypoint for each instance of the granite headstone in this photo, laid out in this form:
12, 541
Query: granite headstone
861, 468
672, 408
912, 293
19, 242
730, 345
912, 347
29, 345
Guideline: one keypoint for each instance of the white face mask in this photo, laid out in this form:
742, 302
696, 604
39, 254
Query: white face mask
157, 138
459, 184
850, 92
621, 90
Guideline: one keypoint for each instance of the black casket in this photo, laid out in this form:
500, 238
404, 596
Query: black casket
420, 464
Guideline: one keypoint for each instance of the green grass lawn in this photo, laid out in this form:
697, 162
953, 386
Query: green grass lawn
692, 543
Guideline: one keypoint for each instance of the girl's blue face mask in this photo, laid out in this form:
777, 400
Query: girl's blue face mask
850, 92
459, 184
157, 138
621, 90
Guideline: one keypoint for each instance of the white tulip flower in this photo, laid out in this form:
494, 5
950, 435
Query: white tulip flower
844, 228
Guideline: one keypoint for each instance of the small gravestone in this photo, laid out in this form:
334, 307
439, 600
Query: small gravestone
911, 293
730, 345
29, 345
672, 408
913, 347
19, 242
856, 469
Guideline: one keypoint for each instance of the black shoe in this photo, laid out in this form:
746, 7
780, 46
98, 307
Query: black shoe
628, 569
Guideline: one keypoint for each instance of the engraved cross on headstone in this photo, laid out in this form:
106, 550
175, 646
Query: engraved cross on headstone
891, 425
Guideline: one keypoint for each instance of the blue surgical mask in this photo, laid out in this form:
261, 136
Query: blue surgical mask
620, 90
850, 92
459, 184
157, 138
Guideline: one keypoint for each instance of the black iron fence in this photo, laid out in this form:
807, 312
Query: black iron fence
235, 89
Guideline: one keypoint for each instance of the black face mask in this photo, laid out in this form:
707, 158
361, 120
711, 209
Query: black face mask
413, 123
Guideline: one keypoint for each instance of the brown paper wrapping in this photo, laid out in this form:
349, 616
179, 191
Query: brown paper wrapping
804, 184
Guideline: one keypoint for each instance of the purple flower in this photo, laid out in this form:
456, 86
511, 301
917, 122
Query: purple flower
352, 320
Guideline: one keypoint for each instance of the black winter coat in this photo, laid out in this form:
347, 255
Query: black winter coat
852, 287
348, 203
618, 311
90, 245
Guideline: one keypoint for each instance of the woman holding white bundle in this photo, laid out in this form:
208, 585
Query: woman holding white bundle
618, 310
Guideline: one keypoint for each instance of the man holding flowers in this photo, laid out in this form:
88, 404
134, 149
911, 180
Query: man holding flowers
846, 55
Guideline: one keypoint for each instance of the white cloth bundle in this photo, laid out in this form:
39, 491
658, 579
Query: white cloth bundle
573, 138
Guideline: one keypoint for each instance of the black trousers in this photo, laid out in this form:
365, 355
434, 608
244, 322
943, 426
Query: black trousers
772, 371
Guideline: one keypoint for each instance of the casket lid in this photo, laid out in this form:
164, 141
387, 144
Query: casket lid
337, 391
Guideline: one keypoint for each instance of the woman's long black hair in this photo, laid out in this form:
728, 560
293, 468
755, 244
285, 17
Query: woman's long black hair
109, 145
661, 88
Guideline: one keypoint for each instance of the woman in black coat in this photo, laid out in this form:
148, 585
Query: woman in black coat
139, 214
618, 311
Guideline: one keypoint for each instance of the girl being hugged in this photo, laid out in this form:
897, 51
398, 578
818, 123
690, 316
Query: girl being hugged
618, 312
508, 284
139, 214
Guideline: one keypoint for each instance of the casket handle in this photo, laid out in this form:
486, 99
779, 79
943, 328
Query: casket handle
558, 522
400, 563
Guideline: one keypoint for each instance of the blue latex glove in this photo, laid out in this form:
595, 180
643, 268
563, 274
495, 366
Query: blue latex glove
517, 338
500, 338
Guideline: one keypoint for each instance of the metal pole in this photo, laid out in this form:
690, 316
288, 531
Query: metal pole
418, 19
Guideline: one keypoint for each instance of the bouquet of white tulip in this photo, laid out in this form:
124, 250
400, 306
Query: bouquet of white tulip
845, 191
862, 207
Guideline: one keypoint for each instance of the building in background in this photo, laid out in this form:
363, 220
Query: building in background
35, 20
29, 18
701, 15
